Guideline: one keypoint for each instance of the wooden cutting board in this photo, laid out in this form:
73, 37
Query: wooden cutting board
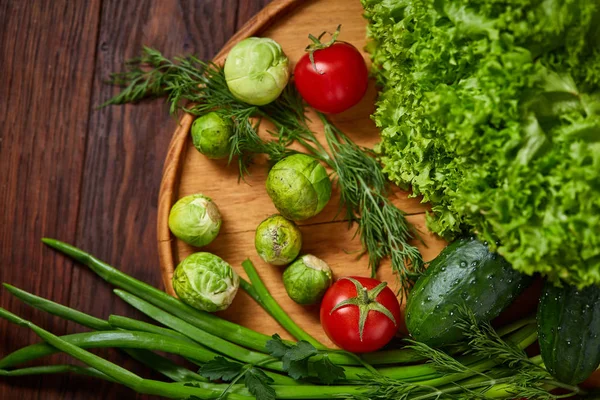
245, 204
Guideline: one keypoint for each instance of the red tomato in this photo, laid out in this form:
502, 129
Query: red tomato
342, 324
336, 82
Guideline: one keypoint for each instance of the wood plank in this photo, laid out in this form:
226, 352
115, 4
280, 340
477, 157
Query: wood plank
47, 60
47, 55
127, 146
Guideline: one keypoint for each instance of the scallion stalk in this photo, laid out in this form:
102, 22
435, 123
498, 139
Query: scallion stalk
203, 320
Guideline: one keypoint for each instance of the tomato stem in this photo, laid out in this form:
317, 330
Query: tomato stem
365, 300
318, 45
365, 295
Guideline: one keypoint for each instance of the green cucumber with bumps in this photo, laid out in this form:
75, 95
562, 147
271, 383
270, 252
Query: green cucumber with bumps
466, 273
569, 331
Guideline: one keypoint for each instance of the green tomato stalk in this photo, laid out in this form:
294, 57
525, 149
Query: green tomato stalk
211, 135
307, 279
278, 240
195, 219
206, 282
257, 70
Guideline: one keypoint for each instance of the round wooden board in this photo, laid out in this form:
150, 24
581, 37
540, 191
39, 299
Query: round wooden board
244, 205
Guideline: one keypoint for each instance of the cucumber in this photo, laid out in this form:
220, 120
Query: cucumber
569, 331
467, 274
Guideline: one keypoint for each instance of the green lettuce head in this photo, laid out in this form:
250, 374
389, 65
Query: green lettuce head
211, 134
257, 70
206, 282
299, 187
195, 219
278, 240
307, 279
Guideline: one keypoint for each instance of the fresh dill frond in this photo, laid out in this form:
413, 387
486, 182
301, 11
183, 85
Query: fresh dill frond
380, 387
438, 359
199, 87
152, 75
382, 227
483, 340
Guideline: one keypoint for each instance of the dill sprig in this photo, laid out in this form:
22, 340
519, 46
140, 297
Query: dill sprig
512, 375
483, 340
382, 227
440, 360
199, 87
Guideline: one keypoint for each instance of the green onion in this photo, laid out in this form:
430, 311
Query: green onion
118, 339
56, 369
275, 309
113, 371
203, 320
58, 309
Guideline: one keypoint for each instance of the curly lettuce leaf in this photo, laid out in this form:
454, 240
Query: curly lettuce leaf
490, 110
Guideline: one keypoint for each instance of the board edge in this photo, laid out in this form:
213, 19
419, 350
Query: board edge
172, 167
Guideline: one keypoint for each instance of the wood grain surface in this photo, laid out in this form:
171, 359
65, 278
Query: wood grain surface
246, 204
83, 175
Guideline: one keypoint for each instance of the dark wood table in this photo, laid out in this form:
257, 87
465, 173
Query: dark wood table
83, 175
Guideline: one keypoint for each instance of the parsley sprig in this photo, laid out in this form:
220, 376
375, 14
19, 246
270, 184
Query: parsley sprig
303, 360
257, 382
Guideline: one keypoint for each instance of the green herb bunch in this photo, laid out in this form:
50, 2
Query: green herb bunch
237, 363
194, 86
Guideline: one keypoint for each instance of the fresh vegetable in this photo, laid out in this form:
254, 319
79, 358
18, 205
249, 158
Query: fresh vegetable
211, 135
465, 376
307, 279
195, 219
206, 282
278, 240
360, 314
256, 70
299, 187
465, 274
331, 76
383, 228
569, 331
490, 110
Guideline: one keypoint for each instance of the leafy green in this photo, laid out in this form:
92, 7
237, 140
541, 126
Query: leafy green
490, 110
221, 368
327, 371
302, 358
257, 382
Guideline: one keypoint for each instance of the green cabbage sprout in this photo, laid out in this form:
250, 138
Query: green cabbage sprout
256, 70
307, 279
211, 134
299, 187
278, 240
195, 219
206, 282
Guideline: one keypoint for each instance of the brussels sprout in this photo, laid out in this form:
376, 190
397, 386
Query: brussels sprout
278, 240
299, 187
206, 282
307, 279
195, 219
256, 70
211, 134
